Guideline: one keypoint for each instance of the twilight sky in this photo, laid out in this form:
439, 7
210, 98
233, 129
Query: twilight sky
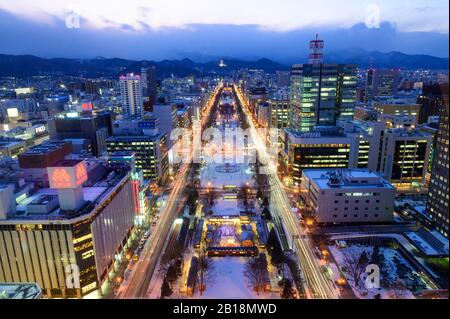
279, 29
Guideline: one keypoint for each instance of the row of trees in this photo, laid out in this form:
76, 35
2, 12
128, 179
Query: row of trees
279, 260
244, 196
205, 270
256, 273
211, 118
192, 198
172, 273
242, 118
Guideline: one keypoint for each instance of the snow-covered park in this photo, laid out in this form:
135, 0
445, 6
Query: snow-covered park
228, 280
220, 175
398, 278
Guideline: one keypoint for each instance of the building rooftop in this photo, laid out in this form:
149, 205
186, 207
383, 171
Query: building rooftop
136, 137
409, 132
346, 178
48, 146
67, 162
10, 143
44, 204
394, 100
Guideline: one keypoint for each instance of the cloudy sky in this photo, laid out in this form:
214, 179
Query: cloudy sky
244, 28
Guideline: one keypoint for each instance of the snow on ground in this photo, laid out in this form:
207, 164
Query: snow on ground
218, 177
389, 254
229, 281
406, 244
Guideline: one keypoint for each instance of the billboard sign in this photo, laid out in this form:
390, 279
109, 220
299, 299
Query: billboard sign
63, 177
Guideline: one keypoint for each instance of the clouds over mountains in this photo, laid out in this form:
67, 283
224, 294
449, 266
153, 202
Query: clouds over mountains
204, 41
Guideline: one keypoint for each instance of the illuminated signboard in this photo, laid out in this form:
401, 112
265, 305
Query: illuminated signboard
40, 129
24, 90
72, 114
12, 112
86, 106
61, 177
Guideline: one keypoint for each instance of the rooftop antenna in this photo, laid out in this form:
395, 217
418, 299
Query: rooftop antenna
316, 50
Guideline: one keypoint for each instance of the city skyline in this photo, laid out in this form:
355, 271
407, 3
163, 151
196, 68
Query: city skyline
236, 151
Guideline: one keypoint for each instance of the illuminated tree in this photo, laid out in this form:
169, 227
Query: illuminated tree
205, 272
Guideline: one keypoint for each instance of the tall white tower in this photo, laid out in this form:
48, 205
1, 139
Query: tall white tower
131, 92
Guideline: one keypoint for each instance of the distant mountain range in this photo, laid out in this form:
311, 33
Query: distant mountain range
29, 65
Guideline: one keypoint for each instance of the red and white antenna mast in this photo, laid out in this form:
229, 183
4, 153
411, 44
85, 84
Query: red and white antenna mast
316, 51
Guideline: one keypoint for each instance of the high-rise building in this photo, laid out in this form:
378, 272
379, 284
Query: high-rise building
90, 87
264, 116
95, 128
256, 95
405, 155
316, 151
131, 92
11, 147
142, 138
149, 84
320, 94
167, 114
431, 100
438, 196
397, 107
368, 136
381, 83
36, 159
279, 112
69, 237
